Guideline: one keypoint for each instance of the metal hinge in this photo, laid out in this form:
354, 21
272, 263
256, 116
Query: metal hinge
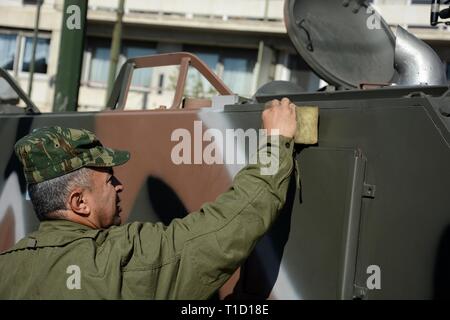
369, 190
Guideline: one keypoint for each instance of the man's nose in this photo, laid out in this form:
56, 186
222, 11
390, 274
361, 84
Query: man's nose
118, 186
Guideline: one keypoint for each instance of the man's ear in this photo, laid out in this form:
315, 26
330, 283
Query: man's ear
78, 202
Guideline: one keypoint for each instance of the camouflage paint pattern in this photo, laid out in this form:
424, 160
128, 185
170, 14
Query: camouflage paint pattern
332, 229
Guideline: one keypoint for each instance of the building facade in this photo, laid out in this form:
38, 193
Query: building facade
243, 41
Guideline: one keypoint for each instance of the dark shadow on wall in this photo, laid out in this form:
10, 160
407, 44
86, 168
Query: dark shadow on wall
165, 202
442, 267
23, 128
260, 271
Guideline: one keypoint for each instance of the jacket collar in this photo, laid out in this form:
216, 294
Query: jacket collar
55, 233
62, 225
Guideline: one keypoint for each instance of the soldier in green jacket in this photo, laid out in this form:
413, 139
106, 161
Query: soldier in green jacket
82, 252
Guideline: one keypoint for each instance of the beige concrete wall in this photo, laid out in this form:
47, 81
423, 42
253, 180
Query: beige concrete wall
256, 26
23, 17
219, 8
395, 14
40, 93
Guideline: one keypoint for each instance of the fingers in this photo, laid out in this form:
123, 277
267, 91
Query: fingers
292, 106
279, 116
285, 102
276, 103
288, 105
284, 105
272, 104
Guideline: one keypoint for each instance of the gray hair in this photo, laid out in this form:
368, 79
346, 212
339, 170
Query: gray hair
49, 197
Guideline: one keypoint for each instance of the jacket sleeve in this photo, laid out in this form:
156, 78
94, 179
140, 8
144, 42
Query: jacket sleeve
193, 257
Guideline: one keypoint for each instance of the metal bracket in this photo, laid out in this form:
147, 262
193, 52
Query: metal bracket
445, 110
416, 94
359, 293
369, 190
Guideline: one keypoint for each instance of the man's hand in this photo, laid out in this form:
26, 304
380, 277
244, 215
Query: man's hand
281, 116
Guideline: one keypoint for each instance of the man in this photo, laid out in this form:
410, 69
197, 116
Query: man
80, 250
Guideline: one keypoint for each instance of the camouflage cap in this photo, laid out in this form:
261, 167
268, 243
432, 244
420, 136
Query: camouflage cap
50, 152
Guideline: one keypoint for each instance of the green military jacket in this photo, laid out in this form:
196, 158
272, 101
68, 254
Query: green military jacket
188, 259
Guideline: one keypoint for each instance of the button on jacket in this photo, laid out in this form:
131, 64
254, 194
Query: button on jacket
188, 259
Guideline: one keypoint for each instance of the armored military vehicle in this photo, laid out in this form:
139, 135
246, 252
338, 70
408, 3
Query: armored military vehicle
370, 218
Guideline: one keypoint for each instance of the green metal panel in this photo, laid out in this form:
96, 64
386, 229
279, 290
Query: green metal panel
404, 227
318, 231
70, 55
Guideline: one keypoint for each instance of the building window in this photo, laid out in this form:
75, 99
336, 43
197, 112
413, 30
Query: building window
238, 74
301, 74
8, 45
141, 77
100, 64
196, 85
16, 50
234, 66
41, 57
100, 61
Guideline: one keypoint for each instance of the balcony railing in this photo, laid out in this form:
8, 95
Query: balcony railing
406, 15
225, 9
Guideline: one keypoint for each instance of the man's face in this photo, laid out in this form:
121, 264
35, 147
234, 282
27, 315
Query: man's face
104, 197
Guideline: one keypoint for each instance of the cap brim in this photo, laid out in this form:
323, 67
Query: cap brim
110, 158
120, 157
